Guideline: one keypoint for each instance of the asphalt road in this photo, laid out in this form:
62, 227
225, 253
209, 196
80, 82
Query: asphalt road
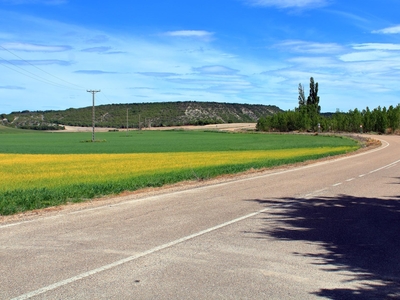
325, 230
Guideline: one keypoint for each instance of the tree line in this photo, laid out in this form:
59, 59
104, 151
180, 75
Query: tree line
307, 117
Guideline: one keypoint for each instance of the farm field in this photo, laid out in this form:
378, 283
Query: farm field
42, 169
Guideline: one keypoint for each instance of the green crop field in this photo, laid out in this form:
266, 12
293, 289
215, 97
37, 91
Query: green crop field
41, 169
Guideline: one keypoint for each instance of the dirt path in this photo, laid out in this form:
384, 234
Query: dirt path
225, 127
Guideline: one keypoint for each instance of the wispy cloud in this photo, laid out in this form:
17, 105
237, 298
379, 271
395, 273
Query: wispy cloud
201, 84
372, 52
35, 47
101, 38
37, 62
289, 3
324, 62
141, 88
309, 47
11, 87
215, 70
93, 72
190, 33
157, 74
349, 15
365, 56
97, 49
377, 46
389, 30
102, 50
45, 2
172, 94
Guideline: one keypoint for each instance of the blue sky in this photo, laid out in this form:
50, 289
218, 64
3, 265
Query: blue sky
235, 51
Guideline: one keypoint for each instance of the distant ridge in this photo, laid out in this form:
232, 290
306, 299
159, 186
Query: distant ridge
142, 114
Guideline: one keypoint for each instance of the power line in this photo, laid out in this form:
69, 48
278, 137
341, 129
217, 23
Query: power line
33, 75
43, 79
109, 101
25, 72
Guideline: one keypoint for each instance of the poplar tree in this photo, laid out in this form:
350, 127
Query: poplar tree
302, 97
313, 98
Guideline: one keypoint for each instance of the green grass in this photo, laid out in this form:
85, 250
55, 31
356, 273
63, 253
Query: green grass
12, 202
32, 142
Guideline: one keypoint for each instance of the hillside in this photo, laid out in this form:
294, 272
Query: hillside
147, 114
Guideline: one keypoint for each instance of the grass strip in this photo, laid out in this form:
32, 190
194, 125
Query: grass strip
20, 200
25, 171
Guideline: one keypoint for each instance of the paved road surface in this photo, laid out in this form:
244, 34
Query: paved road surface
329, 229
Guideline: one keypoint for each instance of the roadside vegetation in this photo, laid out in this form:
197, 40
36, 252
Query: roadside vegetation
307, 117
40, 169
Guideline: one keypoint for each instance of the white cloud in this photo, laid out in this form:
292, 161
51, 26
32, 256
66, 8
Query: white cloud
97, 49
289, 3
372, 52
365, 56
216, 70
348, 15
157, 74
36, 62
94, 72
389, 30
214, 86
377, 46
322, 62
98, 39
11, 87
35, 47
310, 47
190, 33
46, 2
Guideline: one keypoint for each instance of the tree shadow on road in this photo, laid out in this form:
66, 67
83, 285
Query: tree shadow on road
398, 178
360, 235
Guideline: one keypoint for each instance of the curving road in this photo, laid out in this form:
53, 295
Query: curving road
329, 229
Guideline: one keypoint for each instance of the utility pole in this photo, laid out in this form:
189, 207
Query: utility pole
93, 92
127, 124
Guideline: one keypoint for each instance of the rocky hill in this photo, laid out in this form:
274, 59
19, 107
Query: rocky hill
141, 114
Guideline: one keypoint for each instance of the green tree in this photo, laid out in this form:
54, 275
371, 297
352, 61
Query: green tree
380, 119
313, 99
302, 97
354, 120
367, 120
393, 118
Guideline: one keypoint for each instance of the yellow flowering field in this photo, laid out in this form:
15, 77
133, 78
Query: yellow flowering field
26, 171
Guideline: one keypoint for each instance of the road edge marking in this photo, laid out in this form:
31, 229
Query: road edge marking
133, 257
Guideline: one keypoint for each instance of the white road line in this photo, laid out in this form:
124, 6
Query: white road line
337, 184
350, 179
132, 258
385, 167
314, 193
394, 165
